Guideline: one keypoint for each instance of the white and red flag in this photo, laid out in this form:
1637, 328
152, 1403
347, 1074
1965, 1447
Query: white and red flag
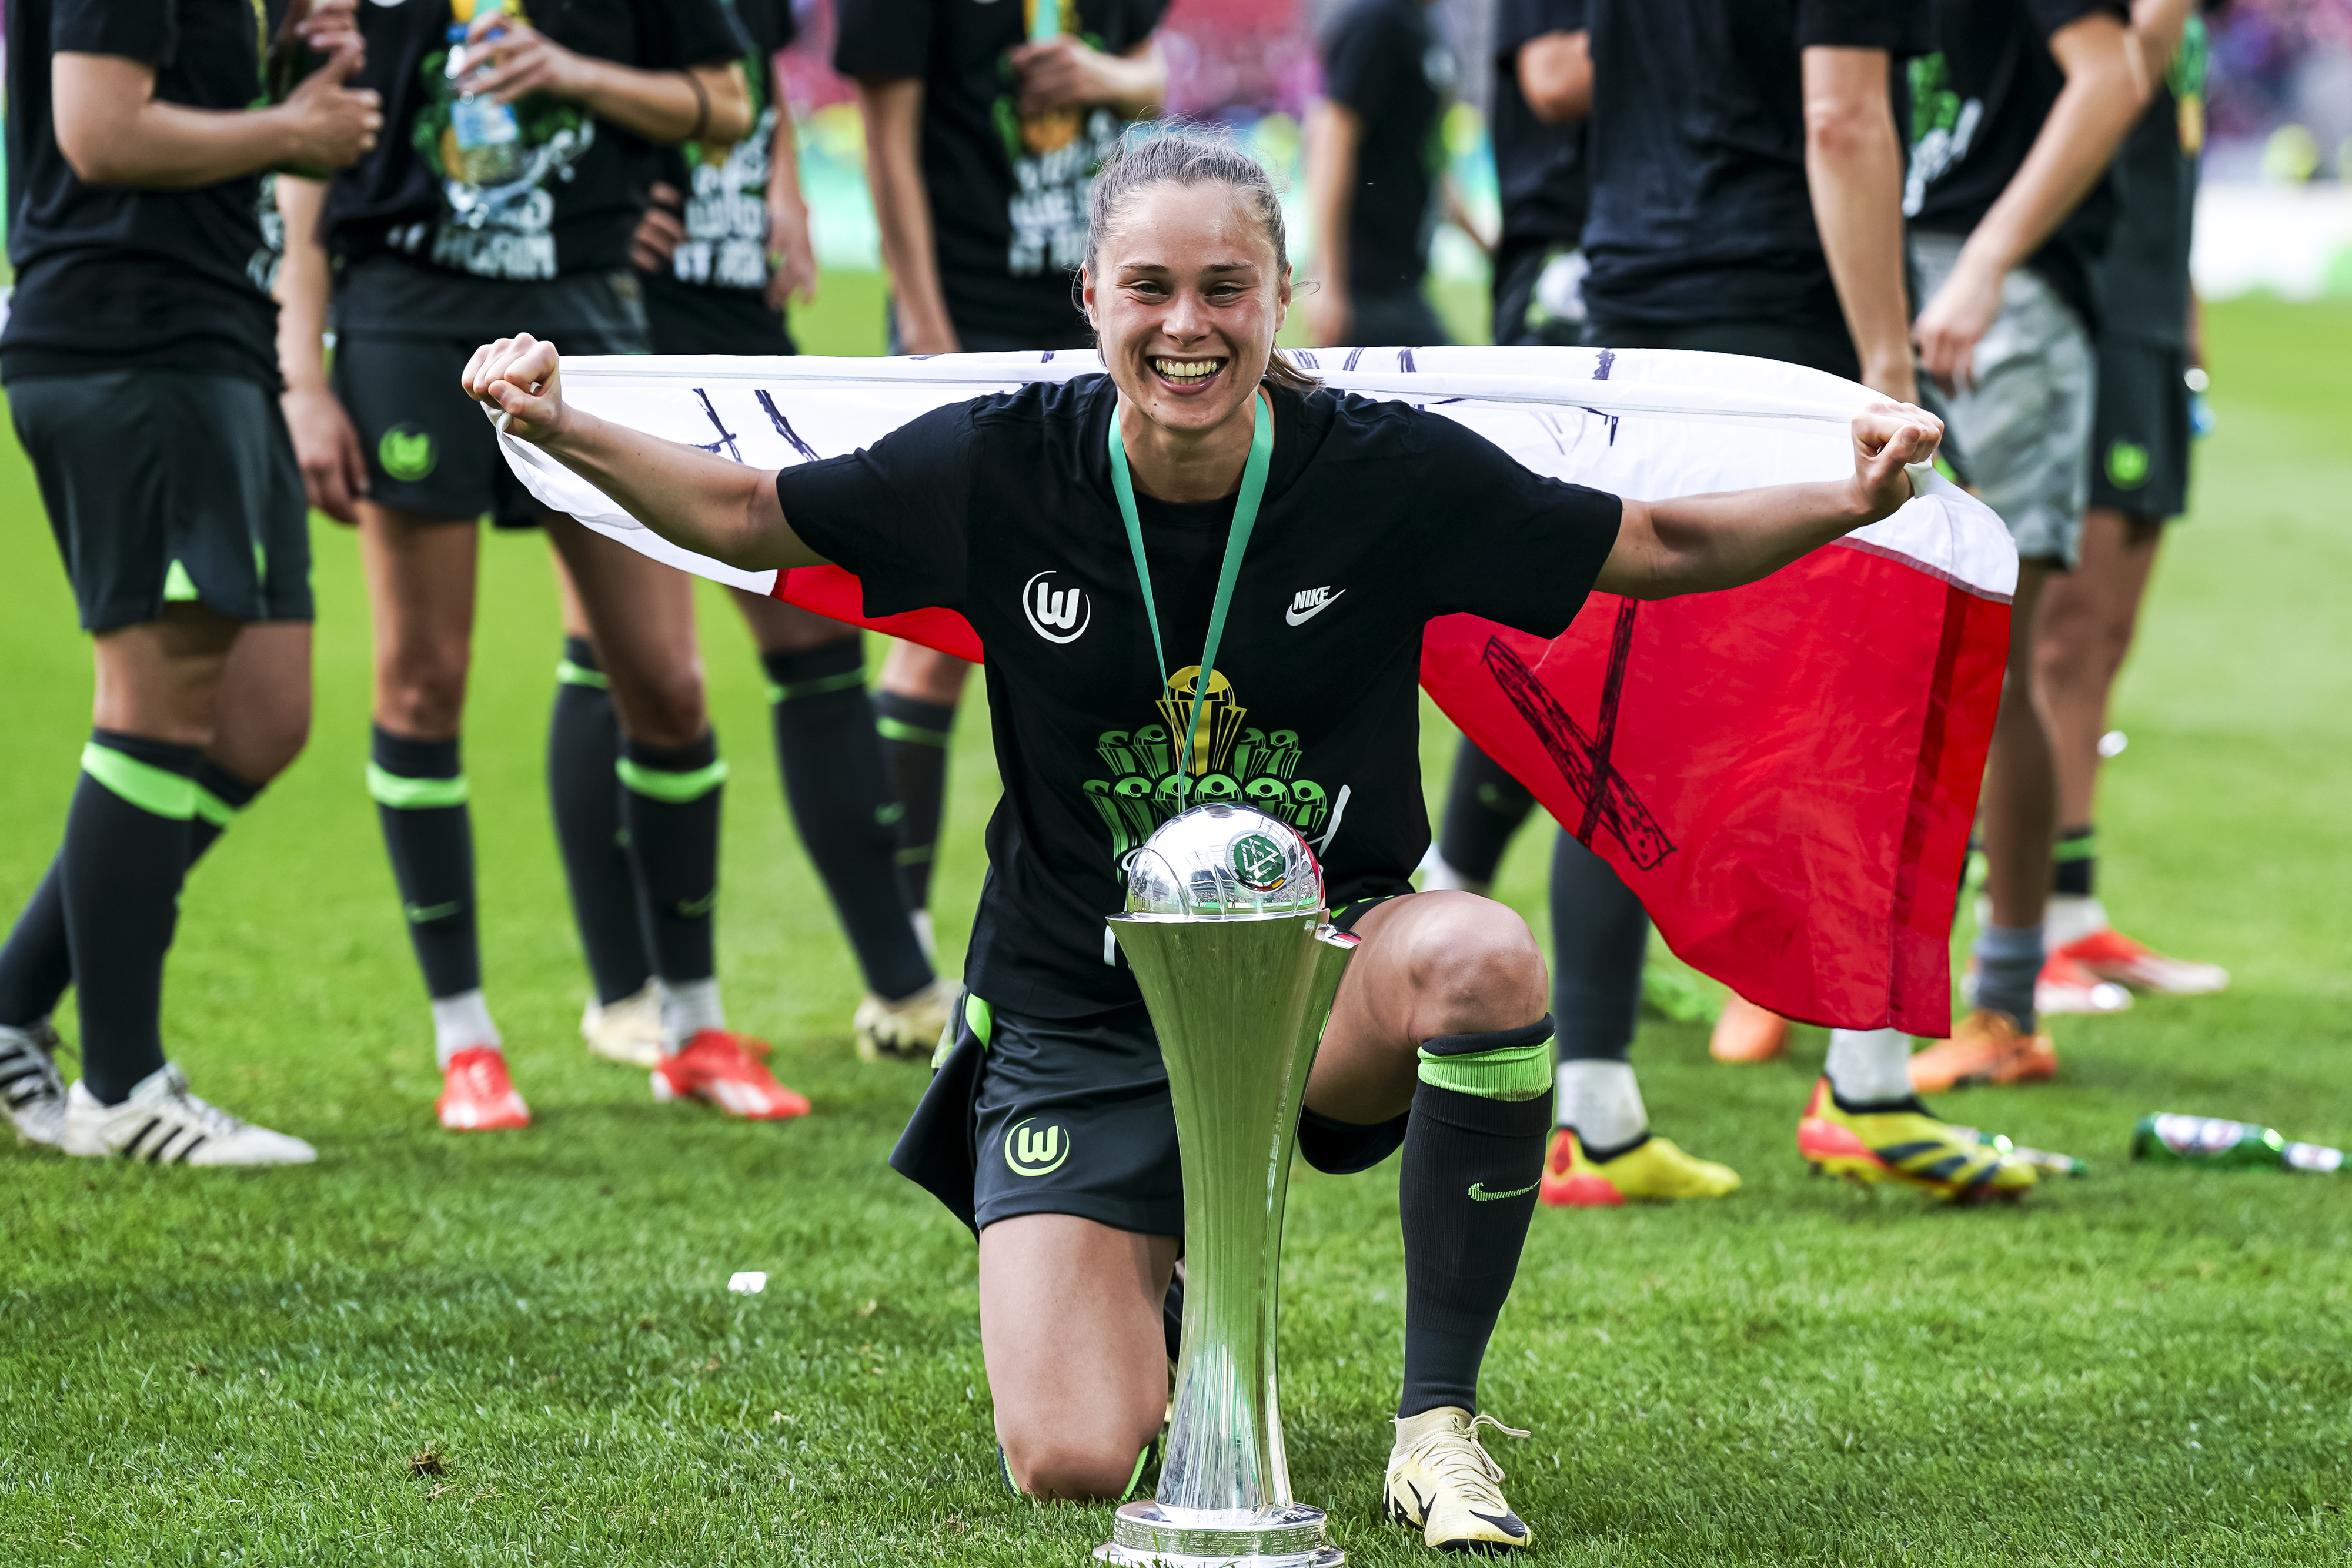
1784, 773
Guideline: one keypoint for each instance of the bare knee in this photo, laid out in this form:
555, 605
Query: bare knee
925, 673
1067, 1467
1475, 966
420, 690
663, 707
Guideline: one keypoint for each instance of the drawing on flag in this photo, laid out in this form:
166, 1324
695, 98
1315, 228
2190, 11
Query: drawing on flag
1784, 773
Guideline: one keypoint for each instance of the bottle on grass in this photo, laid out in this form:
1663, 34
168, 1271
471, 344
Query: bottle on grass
2212, 1141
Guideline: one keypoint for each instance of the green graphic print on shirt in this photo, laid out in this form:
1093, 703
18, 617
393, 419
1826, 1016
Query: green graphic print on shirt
501, 229
726, 244
1232, 762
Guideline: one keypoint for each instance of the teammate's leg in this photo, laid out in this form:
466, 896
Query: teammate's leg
1484, 807
623, 1023
420, 572
1601, 1150
915, 713
1077, 1359
640, 615
1441, 1014
830, 757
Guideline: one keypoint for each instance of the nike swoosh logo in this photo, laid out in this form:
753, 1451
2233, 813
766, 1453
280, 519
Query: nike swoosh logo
1509, 1523
695, 908
424, 914
1297, 617
1478, 1193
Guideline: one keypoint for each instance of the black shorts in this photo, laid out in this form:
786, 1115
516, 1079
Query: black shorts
166, 485
685, 318
429, 449
1031, 1115
2140, 436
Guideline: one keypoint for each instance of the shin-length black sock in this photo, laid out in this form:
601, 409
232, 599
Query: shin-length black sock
2074, 863
1600, 938
669, 804
830, 760
37, 963
420, 795
1473, 1159
583, 750
915, 746
1484, 807
125, 856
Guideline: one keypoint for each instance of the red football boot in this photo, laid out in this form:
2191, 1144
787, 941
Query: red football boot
718, 1065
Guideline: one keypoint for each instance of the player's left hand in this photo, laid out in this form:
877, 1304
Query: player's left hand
1061, 71
522, 376
792, 256
1955, 322
1887, 438
653, 246
509, 60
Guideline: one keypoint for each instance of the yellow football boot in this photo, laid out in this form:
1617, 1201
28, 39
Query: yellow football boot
1656, 1170
1906, 1146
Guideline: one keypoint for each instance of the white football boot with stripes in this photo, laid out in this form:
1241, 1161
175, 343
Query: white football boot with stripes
163, 1124
1442, 1483
30, 1088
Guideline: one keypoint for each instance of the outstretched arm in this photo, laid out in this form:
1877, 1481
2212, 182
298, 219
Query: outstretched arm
1696, 544
697, 499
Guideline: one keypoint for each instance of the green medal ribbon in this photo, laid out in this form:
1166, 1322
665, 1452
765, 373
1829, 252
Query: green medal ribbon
1253, 490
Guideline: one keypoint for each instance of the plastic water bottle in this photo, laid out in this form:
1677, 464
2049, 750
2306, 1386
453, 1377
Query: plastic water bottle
2223, 1145
489, 137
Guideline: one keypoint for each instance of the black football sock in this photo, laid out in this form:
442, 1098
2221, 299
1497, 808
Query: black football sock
1473, 1155
2073, 865
37, 964
420, 795
830, 760
915, 746
669, 804
1484, 807
1601, 936
583, 750
125, 856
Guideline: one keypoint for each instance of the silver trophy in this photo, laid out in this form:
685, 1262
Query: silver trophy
1227, 934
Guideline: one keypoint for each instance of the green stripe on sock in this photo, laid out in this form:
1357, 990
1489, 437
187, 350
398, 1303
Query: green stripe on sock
914, 734
156, 790
817, 687
414, 794
671, 788
211, 807
2077, 849
1136, 1479
571, 674
1513, 1072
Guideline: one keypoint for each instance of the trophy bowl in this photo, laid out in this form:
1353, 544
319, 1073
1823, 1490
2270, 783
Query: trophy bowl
1222, 862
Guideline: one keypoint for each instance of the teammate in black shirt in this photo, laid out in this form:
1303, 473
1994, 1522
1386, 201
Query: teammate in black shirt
1543, 89
1438, 1041
1374, 169
2015, 119
2139, 480
723, 247
521, 149
137, 356
984, 125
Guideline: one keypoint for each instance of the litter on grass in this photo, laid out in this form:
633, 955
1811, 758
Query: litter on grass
749, 1282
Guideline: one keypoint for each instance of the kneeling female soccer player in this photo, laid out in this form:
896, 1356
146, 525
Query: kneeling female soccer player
1205, 491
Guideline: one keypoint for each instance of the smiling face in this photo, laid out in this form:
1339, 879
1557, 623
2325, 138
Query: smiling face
1186, 302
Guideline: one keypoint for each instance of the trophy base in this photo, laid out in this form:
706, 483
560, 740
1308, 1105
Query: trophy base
1287, 1537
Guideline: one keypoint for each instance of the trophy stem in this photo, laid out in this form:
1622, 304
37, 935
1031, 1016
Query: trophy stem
1239, 1006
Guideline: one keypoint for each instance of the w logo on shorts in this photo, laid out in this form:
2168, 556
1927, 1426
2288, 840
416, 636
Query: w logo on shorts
1035, 1151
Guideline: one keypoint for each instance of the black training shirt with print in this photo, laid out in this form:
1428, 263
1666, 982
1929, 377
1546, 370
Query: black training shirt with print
2143, 280
725, 186
1382, 60
1008, 191
1701, 211
1539, 169
553, 192
108, 278
1377, 517
1977, 105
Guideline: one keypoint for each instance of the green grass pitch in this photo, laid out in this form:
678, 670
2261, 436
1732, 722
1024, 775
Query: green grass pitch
2144, 1366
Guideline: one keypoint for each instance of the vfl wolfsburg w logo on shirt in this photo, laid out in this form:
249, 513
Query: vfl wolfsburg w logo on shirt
1232, 760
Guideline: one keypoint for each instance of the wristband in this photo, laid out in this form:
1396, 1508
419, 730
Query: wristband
701, 107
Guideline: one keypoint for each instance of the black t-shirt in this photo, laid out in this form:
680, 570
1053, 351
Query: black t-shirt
1977, 105
108, 278
1383, 61
2143, 283
1700, 207
726, 187
1539, 169
1376, 518
1008, 191
560, 194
